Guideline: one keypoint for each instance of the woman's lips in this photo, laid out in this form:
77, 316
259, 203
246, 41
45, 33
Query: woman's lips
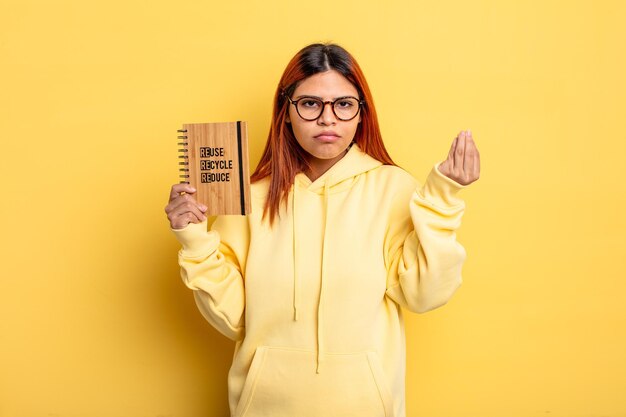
327, 136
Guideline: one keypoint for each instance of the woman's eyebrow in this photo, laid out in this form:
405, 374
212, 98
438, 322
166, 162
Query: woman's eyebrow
320, 98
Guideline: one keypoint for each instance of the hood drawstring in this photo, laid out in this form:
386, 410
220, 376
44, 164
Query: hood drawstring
296, 289
319, 304
296, 292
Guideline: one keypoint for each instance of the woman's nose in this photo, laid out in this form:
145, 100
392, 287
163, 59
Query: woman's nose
327, 117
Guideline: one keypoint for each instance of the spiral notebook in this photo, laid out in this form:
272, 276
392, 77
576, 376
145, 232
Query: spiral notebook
214, 160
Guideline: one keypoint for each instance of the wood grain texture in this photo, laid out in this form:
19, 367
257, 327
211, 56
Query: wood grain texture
212, 151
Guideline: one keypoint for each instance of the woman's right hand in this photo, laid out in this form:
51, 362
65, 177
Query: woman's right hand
183, 209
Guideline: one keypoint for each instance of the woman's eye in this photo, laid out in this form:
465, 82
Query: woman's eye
344, 104
310, 103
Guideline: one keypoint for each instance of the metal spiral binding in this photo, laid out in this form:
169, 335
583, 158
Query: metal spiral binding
185, 158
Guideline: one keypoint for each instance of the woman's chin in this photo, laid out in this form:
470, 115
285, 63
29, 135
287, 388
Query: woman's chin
328, 150
328, 154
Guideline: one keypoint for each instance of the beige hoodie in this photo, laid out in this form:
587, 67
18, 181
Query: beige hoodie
314, 302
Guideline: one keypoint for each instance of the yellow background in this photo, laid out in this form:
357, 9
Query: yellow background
95, 320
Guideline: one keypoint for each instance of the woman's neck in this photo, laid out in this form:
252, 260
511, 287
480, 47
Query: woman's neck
320, 166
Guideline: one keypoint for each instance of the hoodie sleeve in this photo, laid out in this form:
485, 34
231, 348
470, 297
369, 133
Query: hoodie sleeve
424, 259
211, 265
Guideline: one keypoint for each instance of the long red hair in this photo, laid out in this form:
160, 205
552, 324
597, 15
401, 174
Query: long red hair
283, 157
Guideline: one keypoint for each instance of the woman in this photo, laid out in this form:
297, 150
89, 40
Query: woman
311, 284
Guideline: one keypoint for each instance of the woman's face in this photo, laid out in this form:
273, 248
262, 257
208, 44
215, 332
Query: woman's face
326, 139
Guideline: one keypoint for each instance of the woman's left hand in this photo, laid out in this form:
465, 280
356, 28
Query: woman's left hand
463, 163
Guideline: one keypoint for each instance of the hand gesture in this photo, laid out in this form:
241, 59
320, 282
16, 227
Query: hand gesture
463, 163
182, 208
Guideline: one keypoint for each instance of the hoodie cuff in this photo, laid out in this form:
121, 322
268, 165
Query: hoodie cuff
442, 190
196, 240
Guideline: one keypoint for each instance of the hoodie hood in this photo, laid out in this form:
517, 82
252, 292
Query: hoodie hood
354, 163
337, 178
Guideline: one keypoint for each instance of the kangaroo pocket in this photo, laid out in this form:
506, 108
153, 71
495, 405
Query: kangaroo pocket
282, 382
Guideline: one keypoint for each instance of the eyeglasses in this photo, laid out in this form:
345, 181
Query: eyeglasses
311, 108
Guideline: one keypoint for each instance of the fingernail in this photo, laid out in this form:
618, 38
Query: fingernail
203, 207
469, 133
193, 190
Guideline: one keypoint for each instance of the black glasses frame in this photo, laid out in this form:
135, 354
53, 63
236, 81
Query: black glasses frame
324, 103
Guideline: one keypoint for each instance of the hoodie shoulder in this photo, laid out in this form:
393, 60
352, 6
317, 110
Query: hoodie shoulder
397, 178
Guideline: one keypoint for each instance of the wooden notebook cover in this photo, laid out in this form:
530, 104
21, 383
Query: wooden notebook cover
214, 160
